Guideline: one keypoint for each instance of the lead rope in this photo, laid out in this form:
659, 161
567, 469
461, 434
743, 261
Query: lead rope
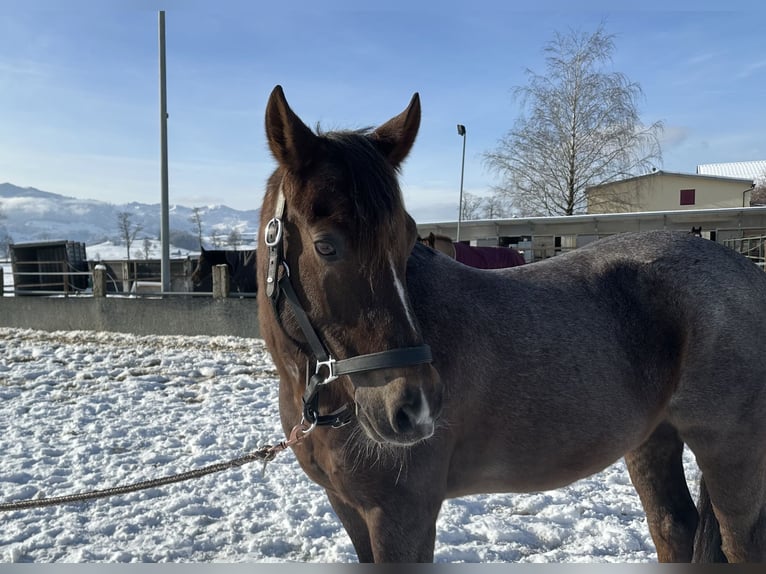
265, 454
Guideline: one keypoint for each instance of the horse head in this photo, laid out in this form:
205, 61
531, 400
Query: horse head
202, 269
337, 228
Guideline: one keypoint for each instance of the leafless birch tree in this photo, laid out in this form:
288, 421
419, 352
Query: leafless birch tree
128, 229
579, 128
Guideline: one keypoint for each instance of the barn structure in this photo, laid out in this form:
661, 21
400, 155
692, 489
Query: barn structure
715, 199
49, 267
543, 237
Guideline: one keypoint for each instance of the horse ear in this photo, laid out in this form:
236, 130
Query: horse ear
395, 137
292, 143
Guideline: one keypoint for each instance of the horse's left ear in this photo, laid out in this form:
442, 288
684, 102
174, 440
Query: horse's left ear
291, 141
395, 137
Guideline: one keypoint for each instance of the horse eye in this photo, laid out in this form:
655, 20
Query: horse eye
324, 248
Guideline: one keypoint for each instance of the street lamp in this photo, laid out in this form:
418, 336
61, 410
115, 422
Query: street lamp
461, 132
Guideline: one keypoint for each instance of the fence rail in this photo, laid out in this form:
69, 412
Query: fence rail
140, 312
754, 248
101, 282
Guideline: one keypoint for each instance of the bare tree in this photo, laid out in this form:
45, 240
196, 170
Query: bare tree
196, 219
235, 238
5, 238
215, 239
5, 243
495, 207
581, 129
147, 248
471, 206
758, 195
128, 229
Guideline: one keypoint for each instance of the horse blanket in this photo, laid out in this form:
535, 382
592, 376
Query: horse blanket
485, 257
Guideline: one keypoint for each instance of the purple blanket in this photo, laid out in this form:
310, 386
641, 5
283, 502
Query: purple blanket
487, 257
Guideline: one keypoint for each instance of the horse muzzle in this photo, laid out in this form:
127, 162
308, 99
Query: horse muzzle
399, 407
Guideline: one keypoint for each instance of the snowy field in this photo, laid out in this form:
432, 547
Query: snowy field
82, 411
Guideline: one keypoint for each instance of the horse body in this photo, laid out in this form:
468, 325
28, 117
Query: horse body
576, 360
540, 374
479, 256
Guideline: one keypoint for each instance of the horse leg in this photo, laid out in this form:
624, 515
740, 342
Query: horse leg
400, 531
403, 530
355, 526
737, 491
707, 542
656, 470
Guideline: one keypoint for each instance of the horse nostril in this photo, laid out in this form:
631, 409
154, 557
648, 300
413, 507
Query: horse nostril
412, 414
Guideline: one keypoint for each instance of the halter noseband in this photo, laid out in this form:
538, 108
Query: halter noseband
327, 368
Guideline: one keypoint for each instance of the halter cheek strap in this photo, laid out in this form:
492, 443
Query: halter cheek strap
273, 240
327, 368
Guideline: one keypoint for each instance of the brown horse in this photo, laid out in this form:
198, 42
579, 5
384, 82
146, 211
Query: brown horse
630, 346
479, 256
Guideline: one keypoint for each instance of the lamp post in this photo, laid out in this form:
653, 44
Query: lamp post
460, 132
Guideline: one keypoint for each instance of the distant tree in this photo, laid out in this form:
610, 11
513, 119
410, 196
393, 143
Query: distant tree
5, 238
147, 247
215, 239
471, 206
196, 219
758, 195
5, 243
234, 238
581, 129
128, 229
495, 206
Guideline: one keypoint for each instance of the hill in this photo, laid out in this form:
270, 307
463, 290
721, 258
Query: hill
29, 214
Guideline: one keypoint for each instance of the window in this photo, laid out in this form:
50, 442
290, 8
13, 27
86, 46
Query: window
687, 197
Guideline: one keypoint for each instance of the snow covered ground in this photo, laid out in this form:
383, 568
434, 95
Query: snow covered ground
84, 410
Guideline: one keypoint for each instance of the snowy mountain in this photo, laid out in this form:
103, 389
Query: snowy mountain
29, 214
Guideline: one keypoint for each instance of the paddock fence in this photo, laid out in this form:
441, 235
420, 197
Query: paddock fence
141, 309
754, 248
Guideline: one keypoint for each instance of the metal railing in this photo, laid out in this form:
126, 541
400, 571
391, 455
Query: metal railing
47, 283
754, 248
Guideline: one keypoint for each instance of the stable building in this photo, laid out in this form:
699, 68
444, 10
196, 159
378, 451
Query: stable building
718, 204
667, 191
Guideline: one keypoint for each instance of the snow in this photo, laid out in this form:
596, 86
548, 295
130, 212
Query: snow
88, 410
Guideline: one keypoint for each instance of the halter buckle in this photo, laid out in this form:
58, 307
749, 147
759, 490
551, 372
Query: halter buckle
273, 232
330, 365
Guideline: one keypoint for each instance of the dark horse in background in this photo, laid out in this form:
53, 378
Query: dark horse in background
240, 263
539, 375
479, 256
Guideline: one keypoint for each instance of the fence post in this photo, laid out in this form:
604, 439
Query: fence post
2, 283
220, 281
99, 281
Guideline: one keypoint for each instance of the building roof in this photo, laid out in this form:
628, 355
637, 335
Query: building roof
755, 170
746, 180
734, 219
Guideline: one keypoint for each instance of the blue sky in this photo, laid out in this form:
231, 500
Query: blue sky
79, 86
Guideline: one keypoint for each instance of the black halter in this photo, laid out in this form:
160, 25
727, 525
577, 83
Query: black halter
327, 369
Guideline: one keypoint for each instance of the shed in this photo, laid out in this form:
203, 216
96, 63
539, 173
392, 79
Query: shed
49, 267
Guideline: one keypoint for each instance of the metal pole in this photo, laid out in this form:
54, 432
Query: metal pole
165, 217
461, 131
